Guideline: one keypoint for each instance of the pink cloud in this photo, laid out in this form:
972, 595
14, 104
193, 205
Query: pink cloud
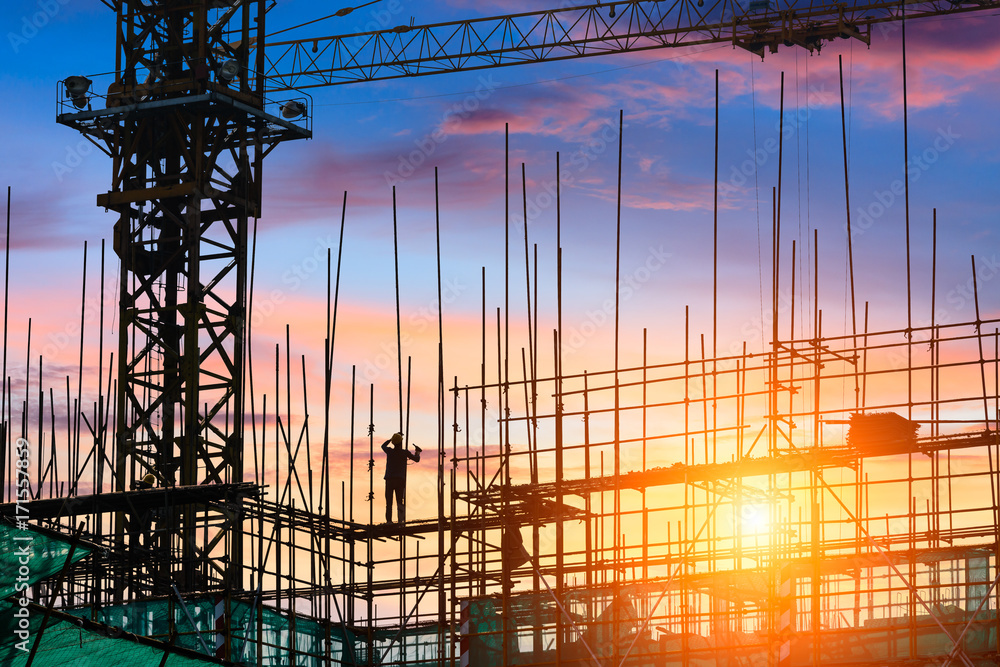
48, 219
316, 189
942, 67
546, 109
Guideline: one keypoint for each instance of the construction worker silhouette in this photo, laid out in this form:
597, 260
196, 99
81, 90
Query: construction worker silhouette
396, 458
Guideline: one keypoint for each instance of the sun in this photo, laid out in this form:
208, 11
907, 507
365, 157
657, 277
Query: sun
753, 519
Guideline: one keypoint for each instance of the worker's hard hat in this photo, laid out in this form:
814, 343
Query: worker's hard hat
397, 438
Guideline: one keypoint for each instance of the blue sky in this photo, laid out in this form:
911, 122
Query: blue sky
364, 132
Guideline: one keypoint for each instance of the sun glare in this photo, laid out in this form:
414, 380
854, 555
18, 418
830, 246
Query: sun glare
753, 519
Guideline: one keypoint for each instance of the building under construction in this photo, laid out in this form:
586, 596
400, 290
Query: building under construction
788, 528
829, 500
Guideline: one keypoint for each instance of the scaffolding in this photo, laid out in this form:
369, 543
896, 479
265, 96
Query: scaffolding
827, 499
744, 514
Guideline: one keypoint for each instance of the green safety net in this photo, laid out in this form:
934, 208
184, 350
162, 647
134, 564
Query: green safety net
264, 637
530, 634
260, 635
486, 632
27, 556
66, 644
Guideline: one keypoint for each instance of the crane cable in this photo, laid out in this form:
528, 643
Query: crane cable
340, 13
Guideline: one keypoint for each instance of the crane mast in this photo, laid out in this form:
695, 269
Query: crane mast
186, 124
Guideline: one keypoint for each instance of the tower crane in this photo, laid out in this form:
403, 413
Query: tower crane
197, 99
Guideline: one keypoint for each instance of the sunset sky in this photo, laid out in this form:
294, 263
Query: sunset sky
366, 136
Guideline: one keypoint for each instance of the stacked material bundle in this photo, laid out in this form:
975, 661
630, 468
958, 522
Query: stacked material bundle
879, 431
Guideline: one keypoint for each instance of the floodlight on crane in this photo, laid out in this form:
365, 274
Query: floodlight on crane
229, 70
292, 109
77, 88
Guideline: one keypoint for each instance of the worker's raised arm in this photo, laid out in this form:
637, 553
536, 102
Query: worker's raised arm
396, 439
414, 455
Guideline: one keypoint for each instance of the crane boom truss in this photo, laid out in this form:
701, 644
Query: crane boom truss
581, 31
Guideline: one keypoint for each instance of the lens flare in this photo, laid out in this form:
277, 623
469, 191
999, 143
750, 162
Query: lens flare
753, 519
